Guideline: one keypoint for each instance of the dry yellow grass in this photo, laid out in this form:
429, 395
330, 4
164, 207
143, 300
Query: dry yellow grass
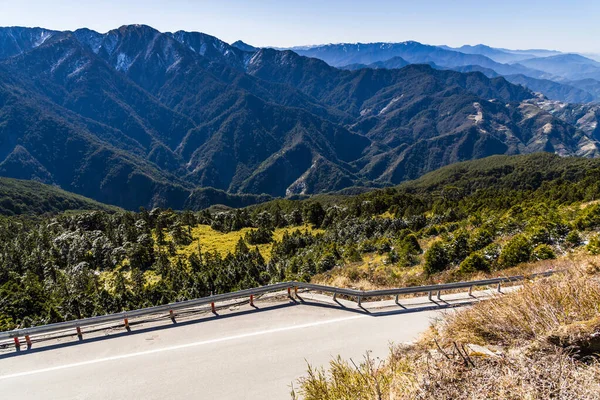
386, 214
539, 309
537, 343
373, 273
106, 278
211, 240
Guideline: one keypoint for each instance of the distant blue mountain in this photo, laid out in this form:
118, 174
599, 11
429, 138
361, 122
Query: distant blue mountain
340, 55
568, 66
502, 55
546, 71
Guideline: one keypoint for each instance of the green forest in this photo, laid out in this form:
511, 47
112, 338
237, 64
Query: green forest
477, 217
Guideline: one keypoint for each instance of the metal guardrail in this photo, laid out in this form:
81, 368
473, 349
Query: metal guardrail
172, 307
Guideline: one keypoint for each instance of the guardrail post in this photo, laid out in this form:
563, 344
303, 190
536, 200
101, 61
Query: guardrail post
397, 298
296, 291
252, 300
439, 294
429, 296
79, 334
212, 308
335, 297
17, 343
172, 315
359, 301
28, 340
470, 291
499, 291
126, 321
290, 292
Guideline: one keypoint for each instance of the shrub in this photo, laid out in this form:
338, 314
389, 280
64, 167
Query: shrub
352, 254
6, 323
459, 246
452, 227
516, 251
540, 235
480, 238
431, 231
593, 246
410, 245
326, 263
491, 252
259, 236
436, 258
590, 218
543, 252
392, 257
367, 247
314, 214
473, 263
406, 258
573, 238
384, 247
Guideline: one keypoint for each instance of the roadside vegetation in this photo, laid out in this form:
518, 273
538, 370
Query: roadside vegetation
483, 218
540, 342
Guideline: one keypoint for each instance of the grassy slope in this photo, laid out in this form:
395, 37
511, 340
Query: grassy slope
208, 240
211, 240
535, 343
515, 171
373, 271
19, 197
520, 172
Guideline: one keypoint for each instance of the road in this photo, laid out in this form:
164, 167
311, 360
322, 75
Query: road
245, 353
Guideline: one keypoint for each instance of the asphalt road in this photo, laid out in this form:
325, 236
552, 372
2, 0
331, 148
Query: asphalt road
244, 353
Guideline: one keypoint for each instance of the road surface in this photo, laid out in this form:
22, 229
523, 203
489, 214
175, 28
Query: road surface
245, 353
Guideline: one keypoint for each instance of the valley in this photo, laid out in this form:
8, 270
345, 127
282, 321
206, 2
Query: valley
172, 205
135, 117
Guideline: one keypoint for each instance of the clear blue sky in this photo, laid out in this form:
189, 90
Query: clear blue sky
568, 25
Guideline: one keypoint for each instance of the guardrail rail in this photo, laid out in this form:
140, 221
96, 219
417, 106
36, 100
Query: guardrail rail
169, 309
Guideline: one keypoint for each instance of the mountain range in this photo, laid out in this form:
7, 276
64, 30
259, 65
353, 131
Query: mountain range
137, 117
570, 74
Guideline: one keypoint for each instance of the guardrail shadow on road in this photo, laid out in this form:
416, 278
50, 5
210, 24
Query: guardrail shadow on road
133, 331
94, 324
429, 305
420, 307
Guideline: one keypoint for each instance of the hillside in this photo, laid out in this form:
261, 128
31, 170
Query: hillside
18, 197
471, 220
564, 77
136, 117
554, 90
539, 342
505, 173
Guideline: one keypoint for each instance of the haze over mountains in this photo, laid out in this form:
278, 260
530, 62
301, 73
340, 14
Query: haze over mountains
559, 76
136, 117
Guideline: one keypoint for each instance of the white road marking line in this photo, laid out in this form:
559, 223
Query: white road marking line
181, 346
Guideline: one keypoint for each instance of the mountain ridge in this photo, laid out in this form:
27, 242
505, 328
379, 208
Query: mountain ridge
540, 65
137, 117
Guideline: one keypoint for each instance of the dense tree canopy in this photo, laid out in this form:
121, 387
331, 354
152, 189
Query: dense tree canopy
493, 216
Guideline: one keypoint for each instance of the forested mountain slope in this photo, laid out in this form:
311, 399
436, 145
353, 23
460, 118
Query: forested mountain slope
18, 197
136, 117
477, 218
